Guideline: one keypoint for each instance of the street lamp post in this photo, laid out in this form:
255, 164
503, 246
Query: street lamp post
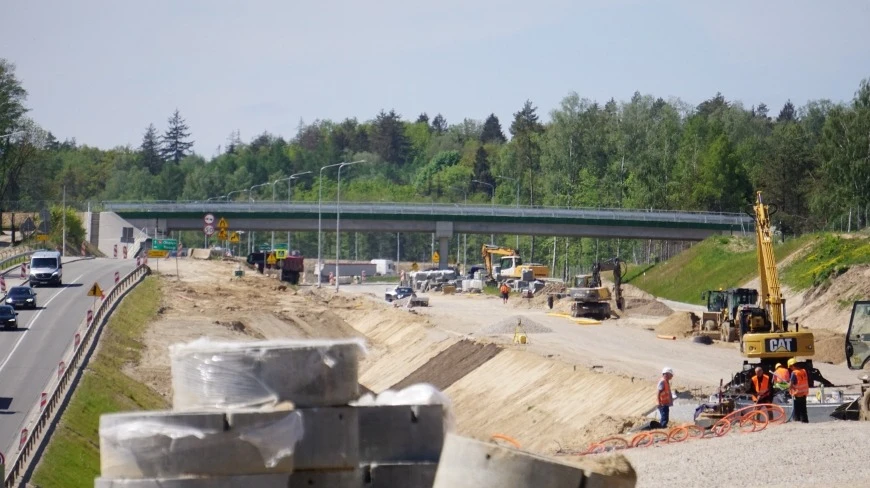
289, 181
251, 197
492, 204
518, 199
319, 215
464, 235
228, 201
337, 217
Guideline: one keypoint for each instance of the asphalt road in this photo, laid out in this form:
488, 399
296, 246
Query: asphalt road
29, 357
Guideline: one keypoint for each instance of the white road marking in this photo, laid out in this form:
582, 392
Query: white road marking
32, 321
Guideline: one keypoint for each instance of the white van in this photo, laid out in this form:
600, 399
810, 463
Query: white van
46, 268
384, 267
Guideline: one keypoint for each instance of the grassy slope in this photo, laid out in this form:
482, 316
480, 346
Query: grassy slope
72, 458
717, 262
829, 256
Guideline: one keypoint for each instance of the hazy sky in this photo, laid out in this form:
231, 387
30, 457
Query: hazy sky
101, 71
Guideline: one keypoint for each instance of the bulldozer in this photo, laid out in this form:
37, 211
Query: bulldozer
858, 351
724, 308
590, 297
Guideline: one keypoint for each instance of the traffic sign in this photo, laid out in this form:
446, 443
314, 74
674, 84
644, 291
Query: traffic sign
282, 245
208, 219
415, 266
222, 235
265, 246
280, 253
223, 224
41, 237
208, 229
271, 259
436, 257
234, 238
164, 244
157, 253
95, 290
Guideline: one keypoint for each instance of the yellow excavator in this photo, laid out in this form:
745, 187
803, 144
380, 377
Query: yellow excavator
763, 329
510, 265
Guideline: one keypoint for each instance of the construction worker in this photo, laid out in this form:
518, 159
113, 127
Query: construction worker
781, 377
505, 292
799, 389
664, 398
761, 387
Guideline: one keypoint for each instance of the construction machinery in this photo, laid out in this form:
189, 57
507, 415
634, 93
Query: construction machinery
590, 297
292, 267
722, 310
510, 266
858, 351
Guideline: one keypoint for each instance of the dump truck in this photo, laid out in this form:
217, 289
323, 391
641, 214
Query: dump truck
292, 266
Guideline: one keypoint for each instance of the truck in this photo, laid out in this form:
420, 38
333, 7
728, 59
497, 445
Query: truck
292, 266
384, 267
46, 268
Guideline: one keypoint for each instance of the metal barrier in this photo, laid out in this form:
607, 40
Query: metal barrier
82, 348
12, 260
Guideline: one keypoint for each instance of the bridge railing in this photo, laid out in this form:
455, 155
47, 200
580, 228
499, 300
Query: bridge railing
411, 208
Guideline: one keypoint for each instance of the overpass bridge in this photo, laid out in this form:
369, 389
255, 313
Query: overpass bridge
444, 220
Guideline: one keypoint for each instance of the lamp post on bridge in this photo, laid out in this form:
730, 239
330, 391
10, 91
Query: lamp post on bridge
492, 204
337, 217
252, 234
289, 181
464, 235
518, 200
320, 216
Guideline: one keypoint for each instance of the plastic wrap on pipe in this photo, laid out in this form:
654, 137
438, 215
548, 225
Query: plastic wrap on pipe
161, 444
227, 375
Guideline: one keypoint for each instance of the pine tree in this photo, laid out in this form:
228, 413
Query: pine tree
175, 144
492, 130
150, 151
788, 113
439, 124
424, 118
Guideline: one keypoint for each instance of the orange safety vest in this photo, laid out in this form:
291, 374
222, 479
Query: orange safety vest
664, 396
781, 375
504, 289
765, 386
802, 388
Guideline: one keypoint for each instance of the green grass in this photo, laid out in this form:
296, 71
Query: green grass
717, 262
829, 256
72, 458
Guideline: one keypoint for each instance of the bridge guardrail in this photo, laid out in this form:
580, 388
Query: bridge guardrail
31, 438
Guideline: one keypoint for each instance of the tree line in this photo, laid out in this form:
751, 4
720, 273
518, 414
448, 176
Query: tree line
813, 161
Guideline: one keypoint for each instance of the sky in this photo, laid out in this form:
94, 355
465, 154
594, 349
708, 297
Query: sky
101, 71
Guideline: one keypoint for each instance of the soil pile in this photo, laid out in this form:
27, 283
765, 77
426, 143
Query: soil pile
829, 347
830, 306
680, 324
451, 365
509, 325
642, 306
539, 300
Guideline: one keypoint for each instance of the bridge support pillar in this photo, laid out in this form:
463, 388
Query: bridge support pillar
444, 232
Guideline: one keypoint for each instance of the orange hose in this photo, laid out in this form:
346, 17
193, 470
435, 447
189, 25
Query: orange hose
505, 438
667, 337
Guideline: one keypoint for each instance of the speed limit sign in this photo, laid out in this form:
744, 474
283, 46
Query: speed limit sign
208, 229
208, 219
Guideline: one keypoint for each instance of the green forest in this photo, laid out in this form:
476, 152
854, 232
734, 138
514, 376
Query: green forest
646, 152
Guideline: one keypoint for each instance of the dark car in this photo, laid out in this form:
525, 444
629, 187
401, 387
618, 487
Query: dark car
21, 297
398, 293
8, 317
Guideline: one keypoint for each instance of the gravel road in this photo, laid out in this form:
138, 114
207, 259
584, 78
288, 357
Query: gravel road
828, 454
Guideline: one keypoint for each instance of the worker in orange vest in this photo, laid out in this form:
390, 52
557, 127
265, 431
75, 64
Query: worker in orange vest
800, 388
781, 377
761, 391
664, 398
505, 292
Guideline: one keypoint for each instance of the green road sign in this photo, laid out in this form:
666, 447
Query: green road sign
281, 245
164, 244
265, 247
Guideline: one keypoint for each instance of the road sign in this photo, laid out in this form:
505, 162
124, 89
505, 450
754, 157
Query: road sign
222, 234
208, 219
265, 247
157, 253
42, 237
436, 257
208, 229
280, 253
271, 259
415, 266
223, 224
164, 244
282, 245
95, 290
235, 237
27, 226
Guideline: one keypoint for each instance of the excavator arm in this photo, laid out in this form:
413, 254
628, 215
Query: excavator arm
618, 267
486, 253
771, 295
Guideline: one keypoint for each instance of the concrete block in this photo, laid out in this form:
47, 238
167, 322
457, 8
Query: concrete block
171, 444
405, 475
252, 481
469, 463
222, 375
400, 433
330, 439
348, 478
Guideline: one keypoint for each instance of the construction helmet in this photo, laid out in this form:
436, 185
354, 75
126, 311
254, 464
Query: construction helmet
778, 365
667, 370
791, 362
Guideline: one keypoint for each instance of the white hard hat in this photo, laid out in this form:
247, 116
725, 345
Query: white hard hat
667, 370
